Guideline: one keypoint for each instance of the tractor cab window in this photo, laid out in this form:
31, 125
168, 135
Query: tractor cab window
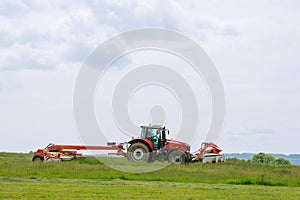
143, 133
150, 132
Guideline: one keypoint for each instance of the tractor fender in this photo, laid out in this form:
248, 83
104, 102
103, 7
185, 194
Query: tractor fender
145, 141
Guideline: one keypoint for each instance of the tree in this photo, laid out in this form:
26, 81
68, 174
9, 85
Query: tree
269, 158
258, 158
263, 158
282, 161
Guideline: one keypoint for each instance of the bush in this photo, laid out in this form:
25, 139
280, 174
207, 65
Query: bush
282, 161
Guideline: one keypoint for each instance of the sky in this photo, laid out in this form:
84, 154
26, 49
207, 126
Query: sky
255, 46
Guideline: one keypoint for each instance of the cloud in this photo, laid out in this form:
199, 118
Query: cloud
25, 57
13, 8
41, 36
42, 40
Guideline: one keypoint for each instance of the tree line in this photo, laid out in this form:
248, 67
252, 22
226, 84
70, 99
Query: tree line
267, 158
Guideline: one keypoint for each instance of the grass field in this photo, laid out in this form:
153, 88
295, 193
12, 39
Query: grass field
20, 178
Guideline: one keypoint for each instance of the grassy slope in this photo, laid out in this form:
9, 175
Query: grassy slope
89, 178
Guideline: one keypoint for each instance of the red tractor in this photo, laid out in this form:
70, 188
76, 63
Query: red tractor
152, 145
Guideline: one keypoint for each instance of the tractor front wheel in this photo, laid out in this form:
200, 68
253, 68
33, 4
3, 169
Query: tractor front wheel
138, 152
177, 157
37, 158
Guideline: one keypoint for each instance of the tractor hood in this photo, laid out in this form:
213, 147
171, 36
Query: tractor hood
178, 143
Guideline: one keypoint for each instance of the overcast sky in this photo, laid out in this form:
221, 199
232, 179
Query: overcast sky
255, 46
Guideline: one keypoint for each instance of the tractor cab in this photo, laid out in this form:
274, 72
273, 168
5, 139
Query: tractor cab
156, 134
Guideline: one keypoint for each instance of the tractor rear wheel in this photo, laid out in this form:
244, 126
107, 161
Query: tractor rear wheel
138, 152
37, 158
177, 157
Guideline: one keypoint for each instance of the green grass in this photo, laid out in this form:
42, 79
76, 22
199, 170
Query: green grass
25, 188
242, 173
20, 178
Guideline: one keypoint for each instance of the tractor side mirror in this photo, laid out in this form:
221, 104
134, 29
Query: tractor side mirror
168, 132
